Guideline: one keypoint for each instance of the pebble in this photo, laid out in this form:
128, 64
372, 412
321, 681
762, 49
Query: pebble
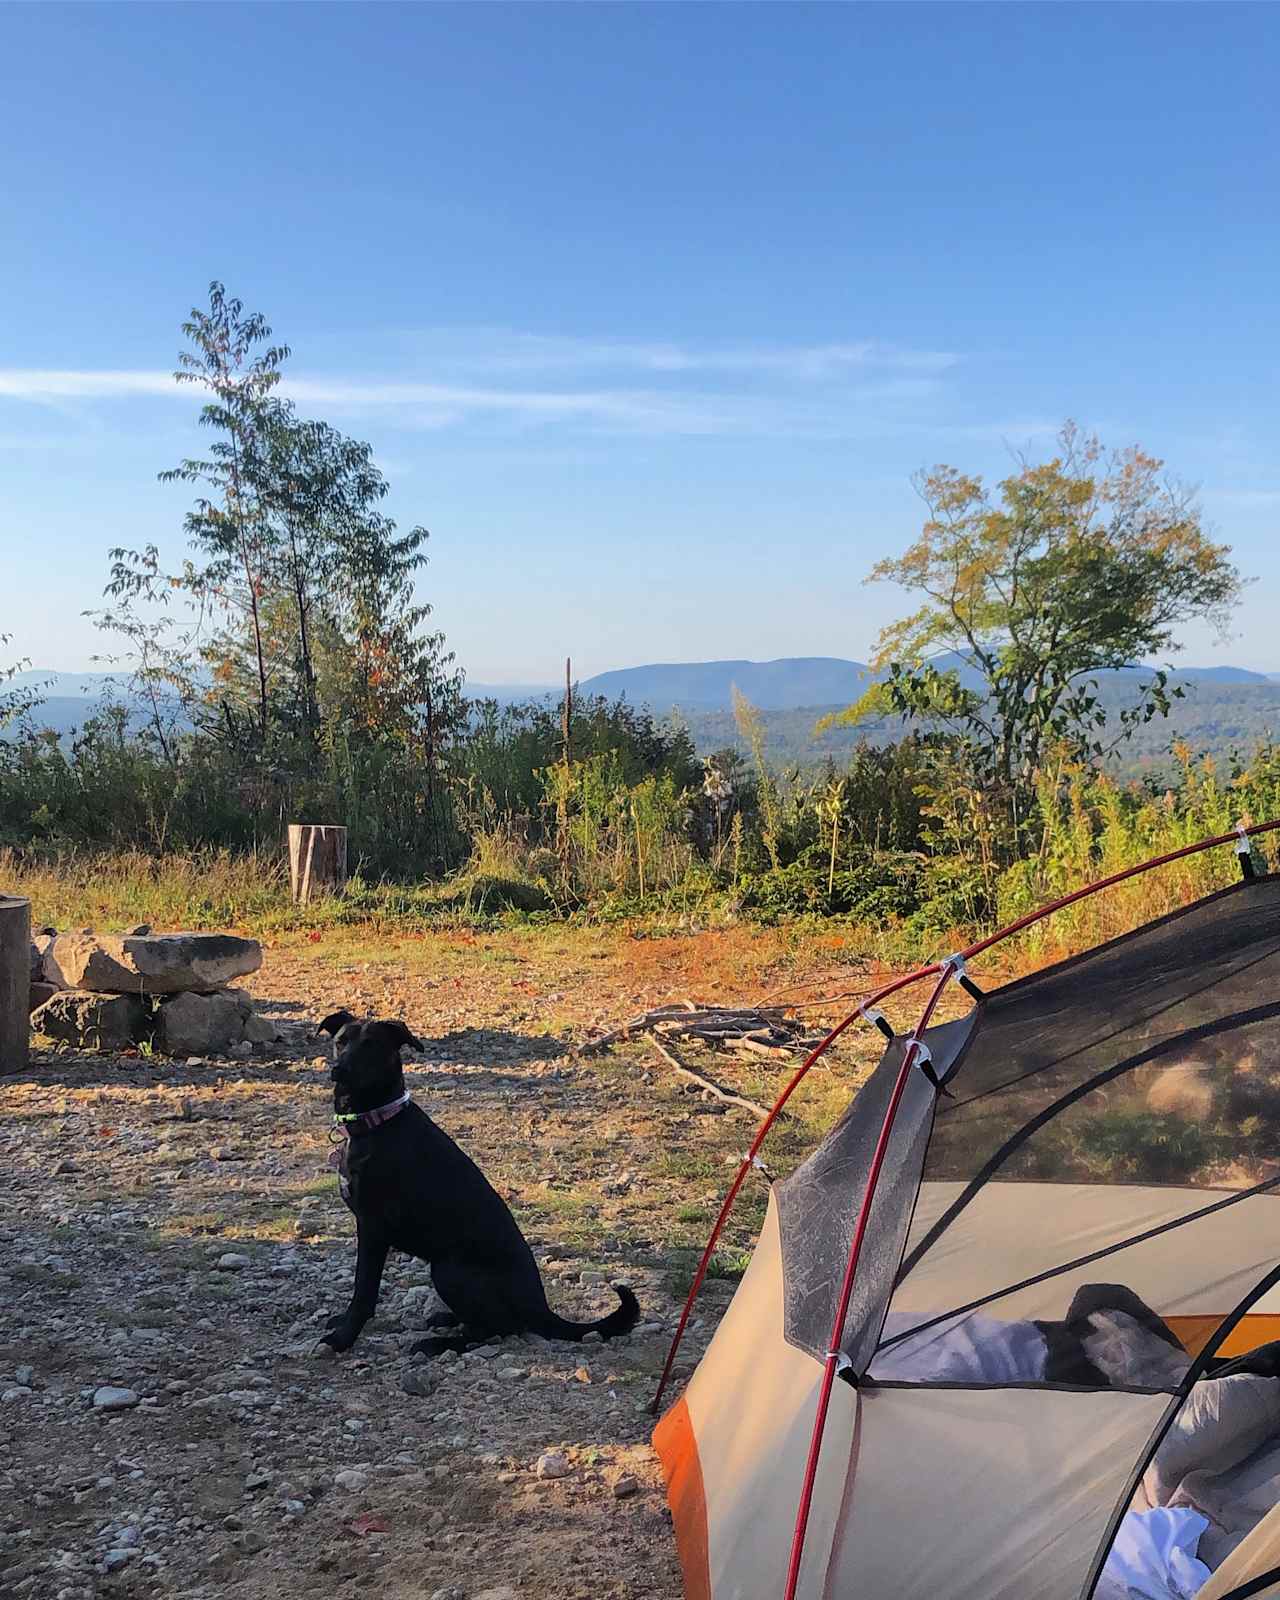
512, 1374
352, 1481
109, 1398
414, 1381
625, 1486
504, 1593
115, 1559
554, 1464
26, 1376
18, 1391
257, 1480
447, 1593
232, 1261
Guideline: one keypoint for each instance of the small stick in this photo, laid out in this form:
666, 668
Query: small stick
705, 1084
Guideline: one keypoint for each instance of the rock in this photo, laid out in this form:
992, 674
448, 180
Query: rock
16, 1391
504, 1593
232, 1261
257, 1480
625, 1486
40, 945
109, 1398
512, 1374
151, 963
25, 1375
91, 1021
260, 1030
553, 1464
413, 1380
582, 1374
38, 993
201, 1024
240, 1051
350, 1480
450, 1592
115, 1559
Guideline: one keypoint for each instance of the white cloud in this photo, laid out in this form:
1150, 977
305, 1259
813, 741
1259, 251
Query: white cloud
504, 350
821, 390
17, 383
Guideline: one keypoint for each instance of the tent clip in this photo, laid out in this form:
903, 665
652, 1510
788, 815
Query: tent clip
877, 1018
956, 965
842, 1361
759, 1165
1244, 850
923, 1058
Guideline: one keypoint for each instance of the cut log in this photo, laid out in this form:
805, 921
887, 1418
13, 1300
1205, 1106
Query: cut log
317, 860
15, 983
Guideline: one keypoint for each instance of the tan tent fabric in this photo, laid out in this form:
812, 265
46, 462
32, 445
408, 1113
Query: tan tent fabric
999, 1238
984, 1494
750, 1408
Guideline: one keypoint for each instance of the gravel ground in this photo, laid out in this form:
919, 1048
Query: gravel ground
171, 1243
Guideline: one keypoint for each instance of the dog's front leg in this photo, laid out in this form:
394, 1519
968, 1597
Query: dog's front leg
371, 1257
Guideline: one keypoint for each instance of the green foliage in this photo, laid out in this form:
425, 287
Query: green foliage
1079, 565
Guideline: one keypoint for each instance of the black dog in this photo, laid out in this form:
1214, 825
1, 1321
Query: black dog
412, 1189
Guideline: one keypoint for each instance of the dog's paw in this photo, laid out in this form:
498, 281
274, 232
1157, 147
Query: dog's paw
341, 1334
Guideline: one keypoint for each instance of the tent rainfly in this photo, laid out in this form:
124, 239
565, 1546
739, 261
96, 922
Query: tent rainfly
1012, 1331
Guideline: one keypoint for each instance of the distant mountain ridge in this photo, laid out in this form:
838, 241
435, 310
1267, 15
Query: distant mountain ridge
791, 683
794, 682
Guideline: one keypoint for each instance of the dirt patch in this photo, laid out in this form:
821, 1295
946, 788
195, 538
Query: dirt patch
174, 1230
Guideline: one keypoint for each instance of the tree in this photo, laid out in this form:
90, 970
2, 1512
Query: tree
22, 698
232, 529
1079, 565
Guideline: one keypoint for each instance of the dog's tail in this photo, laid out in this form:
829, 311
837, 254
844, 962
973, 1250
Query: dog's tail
611, 1327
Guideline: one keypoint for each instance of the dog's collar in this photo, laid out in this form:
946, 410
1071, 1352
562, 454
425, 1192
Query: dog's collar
349, 1121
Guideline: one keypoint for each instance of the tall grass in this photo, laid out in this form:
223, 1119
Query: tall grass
1093, 826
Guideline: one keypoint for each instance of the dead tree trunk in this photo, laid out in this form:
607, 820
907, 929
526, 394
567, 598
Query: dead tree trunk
317, 860
15, 983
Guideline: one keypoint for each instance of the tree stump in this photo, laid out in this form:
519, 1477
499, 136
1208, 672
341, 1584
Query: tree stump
317, 860
15, 983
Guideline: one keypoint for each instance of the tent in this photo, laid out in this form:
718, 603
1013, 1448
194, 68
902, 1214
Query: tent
1007, 1333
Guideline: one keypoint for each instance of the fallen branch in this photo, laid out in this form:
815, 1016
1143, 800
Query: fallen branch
713, 1024
705, 1084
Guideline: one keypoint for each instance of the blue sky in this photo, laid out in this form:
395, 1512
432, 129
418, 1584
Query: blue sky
649, 311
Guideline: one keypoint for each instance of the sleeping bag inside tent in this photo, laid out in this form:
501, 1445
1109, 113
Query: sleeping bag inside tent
1058, 1376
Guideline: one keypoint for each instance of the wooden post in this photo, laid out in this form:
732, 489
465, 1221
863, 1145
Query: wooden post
317, 860
15, 983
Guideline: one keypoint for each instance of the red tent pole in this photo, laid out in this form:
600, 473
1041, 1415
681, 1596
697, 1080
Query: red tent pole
846, 1288
762, 1133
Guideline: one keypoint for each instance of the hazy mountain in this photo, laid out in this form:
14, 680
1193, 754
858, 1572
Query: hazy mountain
772, 685
800, 681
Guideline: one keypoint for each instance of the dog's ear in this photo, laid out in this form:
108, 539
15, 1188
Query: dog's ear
402, 1035
334, 1023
